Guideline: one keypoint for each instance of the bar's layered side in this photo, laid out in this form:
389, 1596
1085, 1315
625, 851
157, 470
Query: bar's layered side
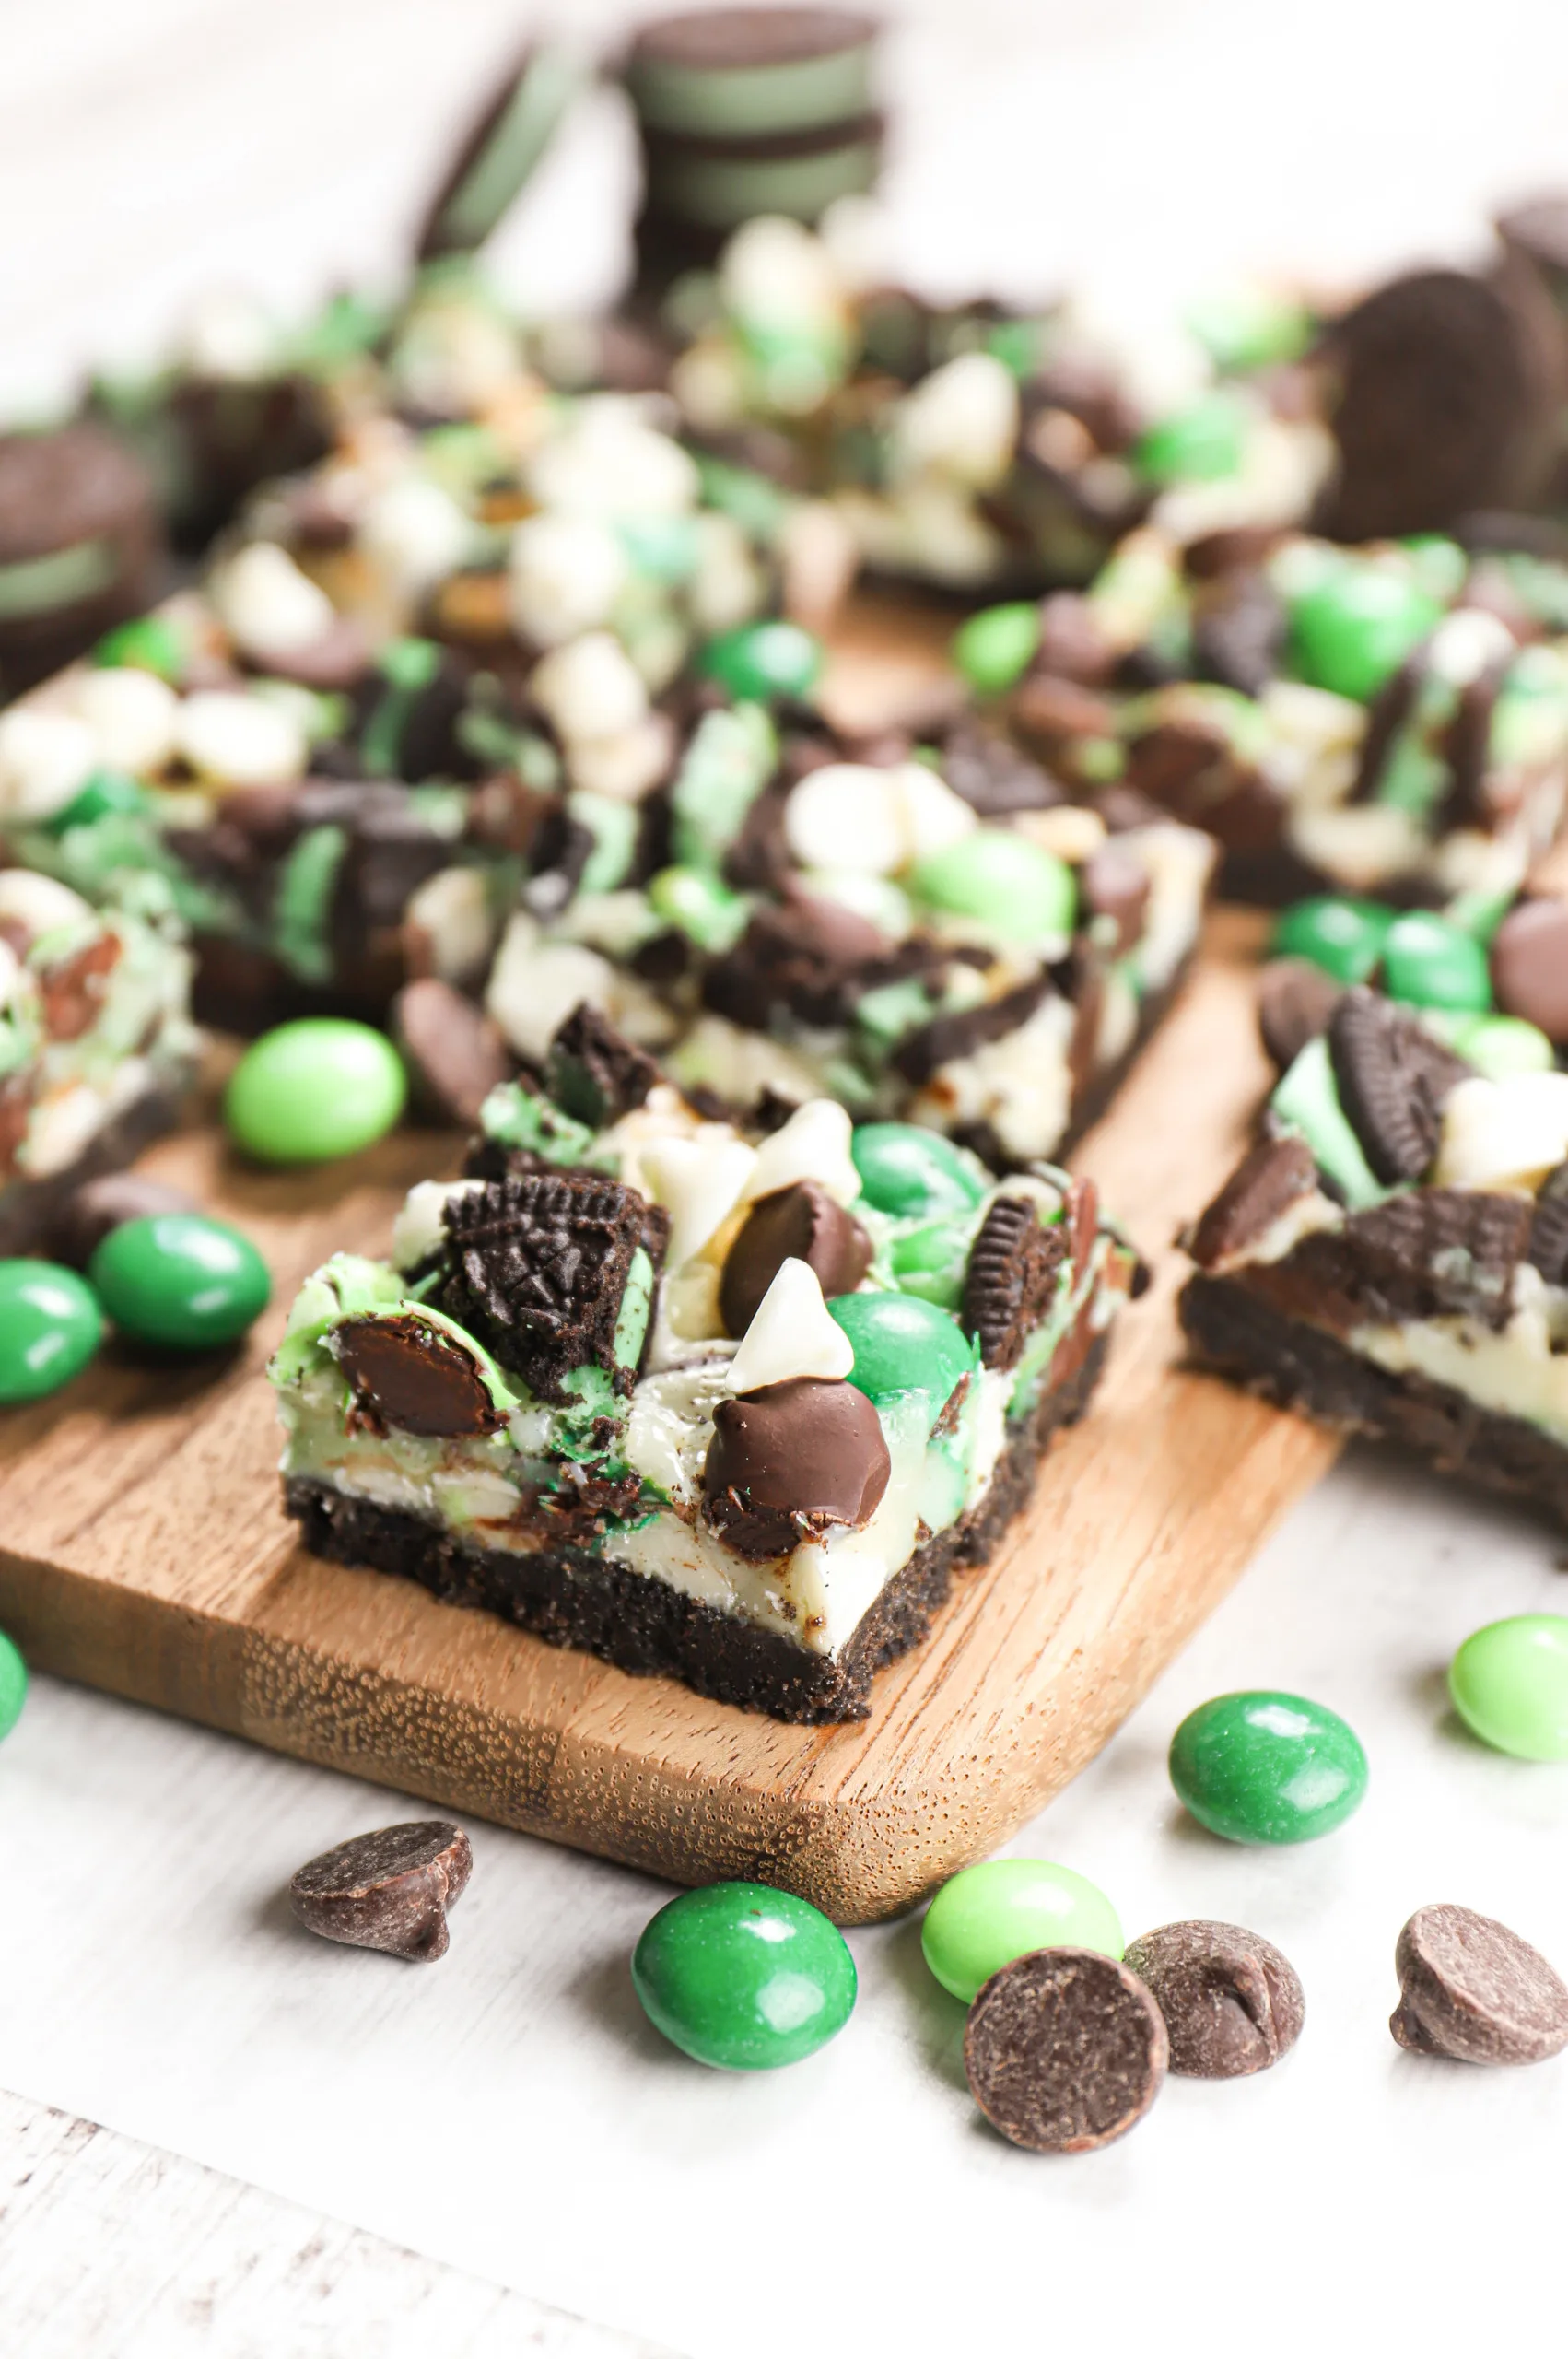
726, 1410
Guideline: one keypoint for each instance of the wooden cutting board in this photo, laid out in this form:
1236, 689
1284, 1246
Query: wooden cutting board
143, 1550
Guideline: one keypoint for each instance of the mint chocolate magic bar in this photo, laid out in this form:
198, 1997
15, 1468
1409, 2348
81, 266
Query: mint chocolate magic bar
728, 1408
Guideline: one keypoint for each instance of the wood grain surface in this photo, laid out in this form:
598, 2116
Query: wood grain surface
144, 1551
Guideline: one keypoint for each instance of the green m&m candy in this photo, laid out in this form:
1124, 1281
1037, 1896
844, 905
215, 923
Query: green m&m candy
1342, 935
150, 643
906, 1171
1263, 1766
761, 661
996, 647
699, 905
932, 1260
49, 1327
985, 1916
1014, 888
1509, 1683
1432, 962
106, 794
1499, 1045
902, 1345
180, 1280
744, 1978
13, 1685
1202, 444
1352, 627
317, 1089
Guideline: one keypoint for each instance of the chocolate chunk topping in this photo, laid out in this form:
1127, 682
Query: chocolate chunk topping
991, 775
1065, 2051
1443, 402
407, 1373
1188, 769
339, 659
1268, 1180
455, 1055
1548, 1249
921, 1052
1232, 2003
1239, 632
1466, 747
1471, 1989
1295, 1003
805, 958
1436, 1253
1529, 966
388, 1891
1392, 1077
90, 1211
539, 1267
596, 1074
1011, 1280
788, 1462
802, 1223
1115, 884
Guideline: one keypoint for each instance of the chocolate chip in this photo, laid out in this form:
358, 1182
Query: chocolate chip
802, 1223
1072, 644
1548, 1249
1471, 1989
90, 1211
1232, 2003
1529, 966
1392, 1077
1443, 402
407, 1373
1011, 1279
596, 1074
991, 775
1187, 767
539, 1266
455, 1054
1114, 883
1065, 2051
387, 1890
1269, 1180
789, 1461
1295, 1003
1234, 548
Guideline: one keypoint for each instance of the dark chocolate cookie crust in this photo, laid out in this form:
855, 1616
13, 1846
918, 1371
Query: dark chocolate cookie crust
571, 1599
1301, 1367
30, 1208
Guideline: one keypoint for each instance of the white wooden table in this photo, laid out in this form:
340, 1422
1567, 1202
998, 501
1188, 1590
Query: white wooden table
313, 2149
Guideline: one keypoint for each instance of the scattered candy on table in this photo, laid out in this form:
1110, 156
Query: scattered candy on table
13, 1685
389, 1890
49, 1327
744, 1978
1065, 2049
1232, 2004
1261, 1766
315, 1089
1000, 1910
1509, 1683
1471, 1989
180, 1280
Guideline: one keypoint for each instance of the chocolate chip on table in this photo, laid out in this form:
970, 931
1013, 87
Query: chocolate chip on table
90, 1211
1392, 1078
455, 1054
1295, 1003
1232, 2003
387, 1890
1471, 1989
800, 1223
1065, 2051
791, 1461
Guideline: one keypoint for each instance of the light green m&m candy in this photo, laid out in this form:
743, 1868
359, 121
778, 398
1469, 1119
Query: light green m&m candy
985, 1916
13, 1685
761, 661
1352, 627
180, 1280
1509, 1683
996, 647
744, 1978
906, 1171
49, 1327
1499, 1045
1431, 963
314, 1090
903, 1344
1014, 888
699, 905
1202, 444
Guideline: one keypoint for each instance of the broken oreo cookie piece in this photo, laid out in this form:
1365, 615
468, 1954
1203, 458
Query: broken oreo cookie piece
454, 1053
1296, 1000
800, 1223
595, 1073
1010, 1278
1272, 1176
791, 1462
1547, 1250
1392, 1077
539, 1267
405, 1372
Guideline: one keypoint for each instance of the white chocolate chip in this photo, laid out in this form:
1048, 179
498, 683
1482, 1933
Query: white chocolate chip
449, 925
60, 1129
1069, 830
229, 335
132, 716
567, 573
1506, 1133
792, 1334
38, 904
609, 462
589, 688
935, 817
812, 1145
414, 533
419, 1226
10, 974
269, 608
46, 759
962, 421
535, 984
626, 766
727, 587
775, 271
847, 815
238, 740
699, 1182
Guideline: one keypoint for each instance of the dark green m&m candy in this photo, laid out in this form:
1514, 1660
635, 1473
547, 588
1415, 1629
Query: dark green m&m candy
180, 1280
905, 1170
1261, 1766
744, 1978
1354, 626
13, 1685
903, 1344
1342, 935
761, 661
49, 1327
1432, 962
